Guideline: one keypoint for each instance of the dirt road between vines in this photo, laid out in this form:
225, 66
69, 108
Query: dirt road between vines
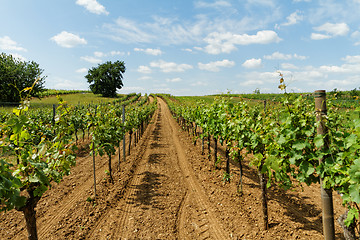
167, 190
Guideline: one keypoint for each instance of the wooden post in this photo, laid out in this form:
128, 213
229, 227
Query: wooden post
326, 194
93, 153
202, 142
265, 105
263, 196
215, 153
54, 112
123, 120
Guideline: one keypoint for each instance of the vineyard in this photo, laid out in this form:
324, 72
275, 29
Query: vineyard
162, 167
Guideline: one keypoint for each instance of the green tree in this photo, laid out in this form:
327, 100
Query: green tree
106, 78
15, 75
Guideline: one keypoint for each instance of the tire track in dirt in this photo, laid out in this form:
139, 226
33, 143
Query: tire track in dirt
65, 199
180, 217
103, 224
81, 192
144, 203
78, 193
194, 188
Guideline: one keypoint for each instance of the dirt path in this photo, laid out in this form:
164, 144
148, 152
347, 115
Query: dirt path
167, 190
162, 195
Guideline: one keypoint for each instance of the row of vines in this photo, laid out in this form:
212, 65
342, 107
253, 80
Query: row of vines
37, 147
284, 143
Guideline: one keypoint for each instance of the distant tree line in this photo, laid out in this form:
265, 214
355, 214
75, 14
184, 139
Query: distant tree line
345, 94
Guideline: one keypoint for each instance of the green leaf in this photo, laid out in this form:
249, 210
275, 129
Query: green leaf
351, 216
354, 191
16, 200
39, 191
24, 135
299, 145
281, 139
307, 168
319, 141
34, 179
350, 140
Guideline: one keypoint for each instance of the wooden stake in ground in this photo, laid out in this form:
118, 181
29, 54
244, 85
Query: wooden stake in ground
326, 194
123, 120
93, 153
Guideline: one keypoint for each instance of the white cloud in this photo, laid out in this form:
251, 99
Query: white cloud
352, 59
144, 69
333, 69
125, 30
261, 77
199, 83
252, 83
112, 53
91, 59
7, 44
170, 66
169, 31
225, 42
356, 36
132, 89
18, 56
319, 36
334, 29
349, 68
173, 80
82, 70
149, 51
66, 84
252, 63
115, 53
215, 66
288, 66
282, 56
99, 54
93, 6
266, 3
293, 18
216, 4
68, 40
187, 50
331, 30
144, 78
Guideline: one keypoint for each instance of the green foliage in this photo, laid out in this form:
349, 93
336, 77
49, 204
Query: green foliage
16, 75
284, 141
41, 158
54, 92
106, 78
226, 177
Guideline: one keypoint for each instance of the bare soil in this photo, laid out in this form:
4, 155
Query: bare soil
167, 190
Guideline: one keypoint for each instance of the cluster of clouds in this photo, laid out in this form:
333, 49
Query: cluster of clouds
93, 6
330, 30
168, 67
219, 35
258, 62
341, 76
7, 44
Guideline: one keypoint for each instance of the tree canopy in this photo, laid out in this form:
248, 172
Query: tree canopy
16, 75
106, 78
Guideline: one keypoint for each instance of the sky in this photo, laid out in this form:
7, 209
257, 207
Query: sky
184, 47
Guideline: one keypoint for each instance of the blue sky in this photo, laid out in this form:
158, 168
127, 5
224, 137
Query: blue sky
189, 47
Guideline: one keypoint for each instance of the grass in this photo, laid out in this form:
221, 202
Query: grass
71, 99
